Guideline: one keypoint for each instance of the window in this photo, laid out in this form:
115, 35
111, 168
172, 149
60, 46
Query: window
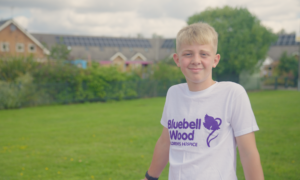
20, 47
4, 46
31, 47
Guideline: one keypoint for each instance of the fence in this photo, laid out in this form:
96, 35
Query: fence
22, 95
279, 83
268, 83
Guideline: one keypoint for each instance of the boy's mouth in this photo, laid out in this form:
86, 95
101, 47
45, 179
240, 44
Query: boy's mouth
195, 69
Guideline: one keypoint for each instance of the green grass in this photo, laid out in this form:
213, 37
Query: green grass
115, 140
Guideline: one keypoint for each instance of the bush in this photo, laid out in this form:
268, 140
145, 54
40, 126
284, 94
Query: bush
108, 83
19, 93
14, 67
167, 70
28, 83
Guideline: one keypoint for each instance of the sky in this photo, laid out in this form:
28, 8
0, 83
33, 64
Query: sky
119, 18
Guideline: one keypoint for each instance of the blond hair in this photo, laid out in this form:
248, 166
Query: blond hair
199, 33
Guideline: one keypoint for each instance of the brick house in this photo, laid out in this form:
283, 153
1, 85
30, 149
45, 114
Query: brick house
127, 52
16, 41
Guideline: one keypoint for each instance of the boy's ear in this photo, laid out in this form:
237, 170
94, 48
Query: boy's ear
216, 60
176, 59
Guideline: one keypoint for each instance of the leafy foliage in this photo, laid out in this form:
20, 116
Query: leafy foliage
94, 83
243, 41
56, 72
167, 70
107, 82
61, 82
20, 93
288, 65
59, 52
14, 67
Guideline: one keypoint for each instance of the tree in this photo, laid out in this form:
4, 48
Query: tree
243, 41
156, 36
288, 65
140, 35
60, 52
282, 31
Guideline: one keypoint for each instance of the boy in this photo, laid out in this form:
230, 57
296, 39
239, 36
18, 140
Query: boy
204, 120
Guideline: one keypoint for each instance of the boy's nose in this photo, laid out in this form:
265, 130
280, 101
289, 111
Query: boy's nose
196, 60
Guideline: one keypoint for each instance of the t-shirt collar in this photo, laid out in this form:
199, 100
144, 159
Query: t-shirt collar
204, 91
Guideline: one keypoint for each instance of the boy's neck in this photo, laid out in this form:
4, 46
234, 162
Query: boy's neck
199, 86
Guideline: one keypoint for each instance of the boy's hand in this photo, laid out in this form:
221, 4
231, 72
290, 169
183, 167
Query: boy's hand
161, 154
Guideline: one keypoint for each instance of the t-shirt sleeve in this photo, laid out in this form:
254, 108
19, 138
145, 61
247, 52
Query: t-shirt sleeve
243, 119
164, 118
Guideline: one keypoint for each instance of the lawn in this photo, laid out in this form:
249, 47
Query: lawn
115, 140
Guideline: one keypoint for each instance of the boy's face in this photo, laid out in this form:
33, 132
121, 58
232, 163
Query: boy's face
196, 62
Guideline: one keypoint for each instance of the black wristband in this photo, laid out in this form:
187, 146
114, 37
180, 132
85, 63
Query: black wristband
150, 177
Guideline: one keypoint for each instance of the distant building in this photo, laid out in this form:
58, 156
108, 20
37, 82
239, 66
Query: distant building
284, 43
125, 52
16, 41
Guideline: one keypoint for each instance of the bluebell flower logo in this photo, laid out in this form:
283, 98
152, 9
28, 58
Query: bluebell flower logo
213, 124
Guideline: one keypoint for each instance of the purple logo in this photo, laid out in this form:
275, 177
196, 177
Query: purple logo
183, 125
211, 124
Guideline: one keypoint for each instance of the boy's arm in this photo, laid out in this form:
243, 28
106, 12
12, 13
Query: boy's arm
250, 157
160, 155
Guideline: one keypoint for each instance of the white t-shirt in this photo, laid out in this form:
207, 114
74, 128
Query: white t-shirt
203, 126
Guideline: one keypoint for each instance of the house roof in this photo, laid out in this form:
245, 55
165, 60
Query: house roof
285, 43
286, 40
138, 55
169, 43
127, 62
118, 54
5, 23
70, 40
103, 48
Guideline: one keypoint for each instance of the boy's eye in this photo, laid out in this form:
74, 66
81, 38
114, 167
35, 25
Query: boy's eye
187, 54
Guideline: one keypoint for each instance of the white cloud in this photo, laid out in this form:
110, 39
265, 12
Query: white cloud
108, 23
275, 14
121, 18
23, 21
289, 25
